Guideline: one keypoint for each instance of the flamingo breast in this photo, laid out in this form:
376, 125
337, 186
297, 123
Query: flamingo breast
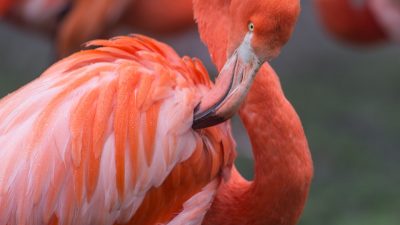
104, 136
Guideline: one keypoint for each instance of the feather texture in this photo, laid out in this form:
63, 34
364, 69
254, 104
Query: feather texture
104, 136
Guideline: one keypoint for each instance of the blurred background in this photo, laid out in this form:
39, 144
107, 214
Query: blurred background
347, 98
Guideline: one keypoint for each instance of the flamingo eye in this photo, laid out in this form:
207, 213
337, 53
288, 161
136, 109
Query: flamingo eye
251, 26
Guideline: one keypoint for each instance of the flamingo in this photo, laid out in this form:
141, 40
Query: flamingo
127, 132
365, 23
74, 22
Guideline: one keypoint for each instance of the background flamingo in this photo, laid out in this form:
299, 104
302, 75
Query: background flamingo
73, 22
365, 22
105, 136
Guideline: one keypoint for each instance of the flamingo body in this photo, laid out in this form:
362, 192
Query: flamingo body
369, 22
105, 137
161, 16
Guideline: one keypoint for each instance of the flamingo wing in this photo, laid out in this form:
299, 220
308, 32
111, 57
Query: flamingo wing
104, 136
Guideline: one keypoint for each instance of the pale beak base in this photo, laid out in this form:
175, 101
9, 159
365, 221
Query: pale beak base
230, 89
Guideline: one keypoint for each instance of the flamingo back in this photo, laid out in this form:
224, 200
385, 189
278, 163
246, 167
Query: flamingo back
104, 136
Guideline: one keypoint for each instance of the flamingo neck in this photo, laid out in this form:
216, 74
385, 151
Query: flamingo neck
283, 166
350, 22
212, 21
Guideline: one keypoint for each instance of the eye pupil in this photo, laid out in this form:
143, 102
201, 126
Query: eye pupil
251, 26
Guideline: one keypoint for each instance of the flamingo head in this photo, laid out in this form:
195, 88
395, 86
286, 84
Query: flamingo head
252, 33
266, 24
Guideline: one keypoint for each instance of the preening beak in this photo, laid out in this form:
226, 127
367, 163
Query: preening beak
230, 89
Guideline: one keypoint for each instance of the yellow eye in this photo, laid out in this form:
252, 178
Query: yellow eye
251, 27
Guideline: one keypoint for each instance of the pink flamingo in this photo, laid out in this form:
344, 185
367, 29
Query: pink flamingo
130, 133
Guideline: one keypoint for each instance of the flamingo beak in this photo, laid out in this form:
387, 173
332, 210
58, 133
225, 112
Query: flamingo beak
230, 89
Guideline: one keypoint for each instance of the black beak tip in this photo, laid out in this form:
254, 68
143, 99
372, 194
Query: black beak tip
208, 121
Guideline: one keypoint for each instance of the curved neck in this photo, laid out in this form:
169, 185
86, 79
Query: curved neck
283, 167
350, 22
